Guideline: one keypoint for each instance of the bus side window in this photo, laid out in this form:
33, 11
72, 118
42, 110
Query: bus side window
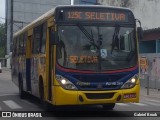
21, 45
13, 47
17, 47
43, 38
52, 35
36, 40
25, 40
39, 41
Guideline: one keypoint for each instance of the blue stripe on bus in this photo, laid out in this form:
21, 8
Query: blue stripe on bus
28, 74
97, 79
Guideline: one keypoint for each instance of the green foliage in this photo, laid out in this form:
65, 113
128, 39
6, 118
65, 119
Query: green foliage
2, 52
2, 40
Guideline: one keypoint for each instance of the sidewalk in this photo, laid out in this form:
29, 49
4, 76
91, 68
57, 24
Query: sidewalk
153, 93
5, 69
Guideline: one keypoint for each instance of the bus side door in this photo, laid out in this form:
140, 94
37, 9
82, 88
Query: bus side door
51, 67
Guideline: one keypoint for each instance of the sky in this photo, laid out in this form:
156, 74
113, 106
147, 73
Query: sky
2, 10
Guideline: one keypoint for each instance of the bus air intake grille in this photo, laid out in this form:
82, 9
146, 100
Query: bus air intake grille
99, 95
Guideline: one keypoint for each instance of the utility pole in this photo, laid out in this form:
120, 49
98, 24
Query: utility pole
11, 30
6, 4
9, 4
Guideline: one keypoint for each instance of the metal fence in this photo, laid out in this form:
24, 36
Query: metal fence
150, 70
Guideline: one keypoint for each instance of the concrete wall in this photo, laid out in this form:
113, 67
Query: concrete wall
28, 10
151, 70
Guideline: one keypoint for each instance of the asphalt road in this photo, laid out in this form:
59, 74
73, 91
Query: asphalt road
11, 102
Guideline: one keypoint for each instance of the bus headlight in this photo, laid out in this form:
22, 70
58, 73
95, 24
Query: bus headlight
130, 83
65, 83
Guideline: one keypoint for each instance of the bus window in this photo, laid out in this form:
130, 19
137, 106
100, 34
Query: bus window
126, 42
39, 41
25, 40
43, 39
13, 48
17, 46
21, 41
36, 40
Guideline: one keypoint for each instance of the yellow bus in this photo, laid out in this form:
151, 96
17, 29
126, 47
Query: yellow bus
79, 55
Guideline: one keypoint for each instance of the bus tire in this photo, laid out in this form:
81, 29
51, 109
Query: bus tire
109, 106
44, 104
21, 92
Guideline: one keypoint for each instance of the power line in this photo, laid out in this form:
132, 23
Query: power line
15, 21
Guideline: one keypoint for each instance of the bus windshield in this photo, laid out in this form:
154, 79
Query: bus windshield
96, 48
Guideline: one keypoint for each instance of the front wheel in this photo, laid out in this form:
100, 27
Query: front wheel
109, 106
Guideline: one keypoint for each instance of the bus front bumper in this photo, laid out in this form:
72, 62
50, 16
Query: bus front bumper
71, 97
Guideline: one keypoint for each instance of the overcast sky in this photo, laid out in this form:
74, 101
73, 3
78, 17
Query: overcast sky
2, 10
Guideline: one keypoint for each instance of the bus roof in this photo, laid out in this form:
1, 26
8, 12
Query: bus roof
51, 12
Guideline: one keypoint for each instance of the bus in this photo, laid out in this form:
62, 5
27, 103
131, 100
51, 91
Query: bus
79, 55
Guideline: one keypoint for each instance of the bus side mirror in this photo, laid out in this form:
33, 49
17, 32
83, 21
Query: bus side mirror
140, 33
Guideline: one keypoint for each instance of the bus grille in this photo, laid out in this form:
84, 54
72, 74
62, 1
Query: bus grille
103, 87
99, 95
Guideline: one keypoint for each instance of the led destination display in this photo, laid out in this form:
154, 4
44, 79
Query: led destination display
101, 15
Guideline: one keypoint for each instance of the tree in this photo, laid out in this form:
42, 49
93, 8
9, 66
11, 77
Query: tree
2, 40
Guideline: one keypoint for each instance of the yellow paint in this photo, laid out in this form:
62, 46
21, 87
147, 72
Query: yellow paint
45, 81
50, 22
30, 32
71, 97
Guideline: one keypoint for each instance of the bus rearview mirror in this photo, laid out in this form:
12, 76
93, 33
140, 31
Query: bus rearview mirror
140, 33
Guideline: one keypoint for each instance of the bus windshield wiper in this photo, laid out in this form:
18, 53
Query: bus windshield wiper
87, 34
92, 42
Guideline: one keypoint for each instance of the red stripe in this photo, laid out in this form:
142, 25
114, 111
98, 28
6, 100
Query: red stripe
93, 72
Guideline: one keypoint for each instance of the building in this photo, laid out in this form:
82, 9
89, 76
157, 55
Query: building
151, 41
111, 2
147, 11
85, 2
24, 12
150, 50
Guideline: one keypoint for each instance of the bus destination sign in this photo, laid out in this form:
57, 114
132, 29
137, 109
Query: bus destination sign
106, 16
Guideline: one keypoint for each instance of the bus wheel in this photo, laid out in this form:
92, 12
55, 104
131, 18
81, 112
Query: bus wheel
109, 106
21, 92
44, 104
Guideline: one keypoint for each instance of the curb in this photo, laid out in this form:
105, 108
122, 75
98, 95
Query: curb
151, 96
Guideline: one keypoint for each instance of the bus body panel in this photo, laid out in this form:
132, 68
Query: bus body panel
68, 97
